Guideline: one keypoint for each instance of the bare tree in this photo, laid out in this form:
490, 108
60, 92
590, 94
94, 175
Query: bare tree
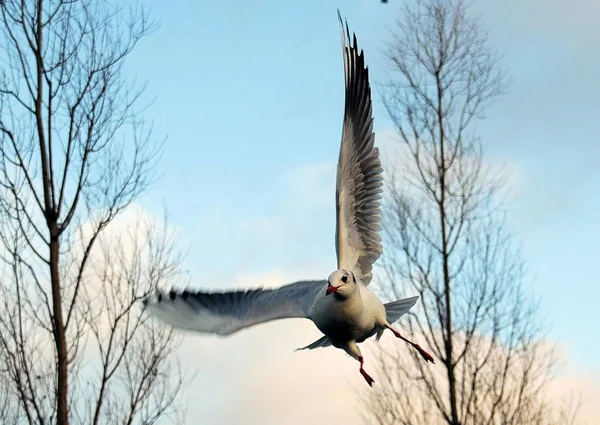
74, 153
447, 241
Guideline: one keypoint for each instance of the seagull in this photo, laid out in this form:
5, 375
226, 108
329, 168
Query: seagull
343, 307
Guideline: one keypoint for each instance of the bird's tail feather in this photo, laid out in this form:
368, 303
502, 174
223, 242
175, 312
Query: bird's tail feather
397, 309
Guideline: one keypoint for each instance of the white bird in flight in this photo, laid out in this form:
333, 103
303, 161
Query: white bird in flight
343, 307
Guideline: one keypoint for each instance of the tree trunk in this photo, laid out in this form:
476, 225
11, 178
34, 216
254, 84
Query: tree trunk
445, 259
62, 417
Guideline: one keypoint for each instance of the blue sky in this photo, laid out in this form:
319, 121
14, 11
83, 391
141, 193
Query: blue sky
250, 97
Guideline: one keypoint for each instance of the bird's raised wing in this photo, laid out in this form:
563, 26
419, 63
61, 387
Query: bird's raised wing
226, 312
359, 172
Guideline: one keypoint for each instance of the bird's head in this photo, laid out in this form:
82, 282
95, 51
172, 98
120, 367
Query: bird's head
342, 283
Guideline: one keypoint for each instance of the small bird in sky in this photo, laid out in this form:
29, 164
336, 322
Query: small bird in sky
342, 307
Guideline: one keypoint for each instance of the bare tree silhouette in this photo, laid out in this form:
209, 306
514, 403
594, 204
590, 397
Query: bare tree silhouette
74, 153
447, 240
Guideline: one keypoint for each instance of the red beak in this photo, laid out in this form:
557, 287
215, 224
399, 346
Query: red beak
331, 289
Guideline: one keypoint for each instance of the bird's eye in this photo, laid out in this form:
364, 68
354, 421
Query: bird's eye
345, 278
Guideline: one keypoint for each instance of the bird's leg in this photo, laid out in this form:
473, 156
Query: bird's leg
352, 349
364, 373
428, 357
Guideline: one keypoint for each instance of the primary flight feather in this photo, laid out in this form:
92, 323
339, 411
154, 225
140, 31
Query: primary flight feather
359, 172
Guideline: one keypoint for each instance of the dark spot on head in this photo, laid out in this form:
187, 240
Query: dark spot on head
185, 295
172, 295
159, 297
345, 278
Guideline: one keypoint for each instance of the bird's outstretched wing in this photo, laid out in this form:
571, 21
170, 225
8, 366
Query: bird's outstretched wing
359, 172
227, 312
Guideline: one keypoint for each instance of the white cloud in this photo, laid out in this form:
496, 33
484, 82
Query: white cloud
267, 382
577, 384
